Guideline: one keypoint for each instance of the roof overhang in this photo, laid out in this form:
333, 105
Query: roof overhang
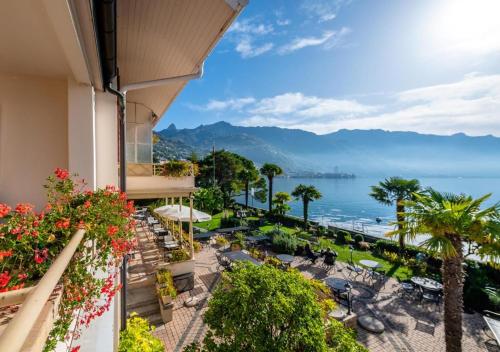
160, 39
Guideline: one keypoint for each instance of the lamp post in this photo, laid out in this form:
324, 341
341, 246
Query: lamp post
348, 288
351, 249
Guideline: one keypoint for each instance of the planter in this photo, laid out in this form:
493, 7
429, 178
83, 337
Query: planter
235, 247
179, 268
166, 310
184, 282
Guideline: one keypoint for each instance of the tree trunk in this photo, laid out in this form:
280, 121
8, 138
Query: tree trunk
246, 194
400, 218
453, 296
270, 194
306, 206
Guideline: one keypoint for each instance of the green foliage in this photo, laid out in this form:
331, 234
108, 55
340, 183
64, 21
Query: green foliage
221, 240
358, 238
239, 239
284, 243
192, 347
179, 255
166, 283
177, 168
137, 337
263, 309
307, 194
341, 339
273, 261
280, 201
344, 237
209, 199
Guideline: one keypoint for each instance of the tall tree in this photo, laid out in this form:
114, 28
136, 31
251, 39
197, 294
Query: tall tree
307, 194
248, 176
451, 220
396, 190
270, 171
280, 203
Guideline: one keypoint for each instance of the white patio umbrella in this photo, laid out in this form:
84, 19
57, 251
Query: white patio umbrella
181, 213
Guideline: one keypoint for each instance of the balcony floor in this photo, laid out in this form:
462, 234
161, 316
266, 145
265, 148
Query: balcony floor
408, 325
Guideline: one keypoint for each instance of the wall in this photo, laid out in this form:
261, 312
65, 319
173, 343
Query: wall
33, 136
106, 125
81, 132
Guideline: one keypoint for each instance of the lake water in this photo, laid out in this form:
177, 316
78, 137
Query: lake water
346, 202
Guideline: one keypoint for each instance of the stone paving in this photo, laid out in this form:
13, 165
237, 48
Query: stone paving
409, 326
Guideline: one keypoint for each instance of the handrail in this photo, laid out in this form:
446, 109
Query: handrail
18, 329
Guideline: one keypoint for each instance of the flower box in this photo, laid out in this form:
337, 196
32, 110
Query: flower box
179, 268
166, 310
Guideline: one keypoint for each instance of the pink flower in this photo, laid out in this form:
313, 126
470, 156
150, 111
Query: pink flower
61, 174
4, 210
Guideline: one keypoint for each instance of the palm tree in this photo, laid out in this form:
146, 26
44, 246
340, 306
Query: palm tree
451, 220
307, 194
280, 200
248, 176
270, 171
396, 190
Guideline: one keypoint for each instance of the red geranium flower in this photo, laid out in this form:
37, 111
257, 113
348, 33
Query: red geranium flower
4, 210
62, 224
24, 208
22, 276
4, 254
87, 204
112, 230
40, 256
4, 279
61, 174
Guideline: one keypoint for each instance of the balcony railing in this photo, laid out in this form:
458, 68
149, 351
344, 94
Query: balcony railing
34, 299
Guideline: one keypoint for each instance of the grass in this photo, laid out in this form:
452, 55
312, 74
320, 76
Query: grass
267, 228
391, 269
215, 223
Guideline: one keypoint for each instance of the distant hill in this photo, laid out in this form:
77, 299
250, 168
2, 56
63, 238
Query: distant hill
362, 152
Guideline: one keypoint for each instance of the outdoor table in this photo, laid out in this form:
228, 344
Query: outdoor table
139, 216
152, 221
427, 283
285, 258
170, 245
372, 264
257, 239
336, 284
235, 256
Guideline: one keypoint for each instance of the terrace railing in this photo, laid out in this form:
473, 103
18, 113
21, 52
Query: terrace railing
33, 299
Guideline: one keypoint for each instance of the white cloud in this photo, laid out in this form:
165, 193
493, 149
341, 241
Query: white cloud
247, 50
283, 22
328, 40
471, 105
220, 105
323, 10
248, 26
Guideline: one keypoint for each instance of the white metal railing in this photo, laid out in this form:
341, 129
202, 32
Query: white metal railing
18, 329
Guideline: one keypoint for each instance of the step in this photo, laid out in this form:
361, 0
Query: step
147, 310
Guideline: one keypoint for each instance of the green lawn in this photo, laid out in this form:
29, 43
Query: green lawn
394, 270
267, 228
215, 223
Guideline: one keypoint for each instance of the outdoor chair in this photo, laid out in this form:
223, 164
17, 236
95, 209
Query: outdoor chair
222, 262
330, 258
310, 255
492, 328
407, 290
431, 296
353, 271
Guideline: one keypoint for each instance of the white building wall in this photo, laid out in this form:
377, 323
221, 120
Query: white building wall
81, 132
106, 125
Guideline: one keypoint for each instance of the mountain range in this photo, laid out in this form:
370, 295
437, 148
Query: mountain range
362, 152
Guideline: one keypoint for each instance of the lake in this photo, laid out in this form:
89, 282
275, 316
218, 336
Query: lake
346, 202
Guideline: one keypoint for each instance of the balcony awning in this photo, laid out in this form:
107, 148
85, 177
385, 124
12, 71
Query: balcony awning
157, 39
181, 213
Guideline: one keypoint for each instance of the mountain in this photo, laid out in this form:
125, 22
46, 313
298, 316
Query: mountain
362, 152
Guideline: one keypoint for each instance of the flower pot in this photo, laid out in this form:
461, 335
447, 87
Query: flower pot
165, 300
166, 310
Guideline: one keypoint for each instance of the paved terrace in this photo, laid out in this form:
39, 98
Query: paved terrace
408, 325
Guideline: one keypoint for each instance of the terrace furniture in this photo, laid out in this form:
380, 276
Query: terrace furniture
238, 256
407, 289
426, 283
330, 258
286, 259
222, 262
430, 296
233, 229
310, 255
341, 290
205, 235
354, 271
254, 240
492, 329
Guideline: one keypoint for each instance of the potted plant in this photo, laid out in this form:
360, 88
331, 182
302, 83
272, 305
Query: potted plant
166, 293
220, 241
239, 242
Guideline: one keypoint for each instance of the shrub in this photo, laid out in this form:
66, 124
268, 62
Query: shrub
179, 255
137, 337
253, 300
197, 246
358, 238
176, 168
364, 246
344, 237
239, 239
273, 261
192, 347
303, 234
166, 283
221, 240
285, 243
342, 339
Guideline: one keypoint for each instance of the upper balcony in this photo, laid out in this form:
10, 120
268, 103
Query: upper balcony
162, 180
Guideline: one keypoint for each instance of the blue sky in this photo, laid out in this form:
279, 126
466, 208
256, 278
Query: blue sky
322, 65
